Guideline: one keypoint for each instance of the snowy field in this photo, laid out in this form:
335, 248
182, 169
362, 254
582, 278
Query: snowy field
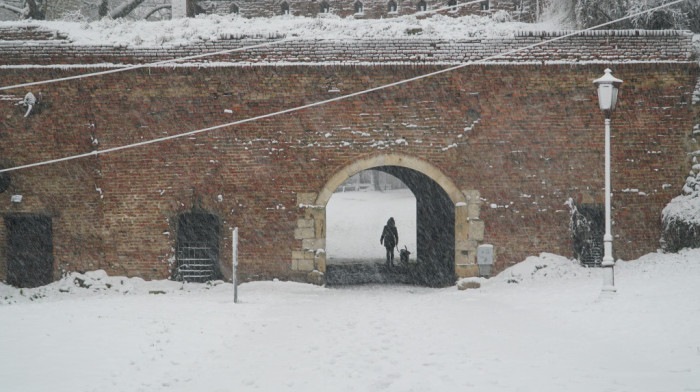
539, 326
355, 221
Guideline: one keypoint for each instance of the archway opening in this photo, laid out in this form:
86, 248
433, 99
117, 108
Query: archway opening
431, 225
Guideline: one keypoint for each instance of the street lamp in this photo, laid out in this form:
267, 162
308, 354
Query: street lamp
607, 98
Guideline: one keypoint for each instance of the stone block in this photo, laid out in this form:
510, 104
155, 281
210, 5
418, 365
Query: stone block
298, 254
467, 270
321, 262
305, 223
466, 245
468, 284
473, 196
304, 233
476, 230
303, 265
316, 277
318, 215
313, 243
307, 199
473, 210
463, 256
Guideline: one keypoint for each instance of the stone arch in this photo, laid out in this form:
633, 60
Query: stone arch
390, 160
463, 206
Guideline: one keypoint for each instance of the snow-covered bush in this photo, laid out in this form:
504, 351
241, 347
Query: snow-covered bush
681, 217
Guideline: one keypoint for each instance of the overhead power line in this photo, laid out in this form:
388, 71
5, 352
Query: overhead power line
327, 101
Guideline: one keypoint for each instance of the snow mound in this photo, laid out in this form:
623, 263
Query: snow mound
98, 282
653, 265
221, 27
545, 267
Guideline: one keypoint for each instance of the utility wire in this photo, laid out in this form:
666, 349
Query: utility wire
138, 66
327, 101
199, 56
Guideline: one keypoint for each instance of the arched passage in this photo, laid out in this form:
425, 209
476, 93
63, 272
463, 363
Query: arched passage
448, 225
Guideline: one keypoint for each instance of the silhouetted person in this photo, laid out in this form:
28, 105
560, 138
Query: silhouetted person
390, 238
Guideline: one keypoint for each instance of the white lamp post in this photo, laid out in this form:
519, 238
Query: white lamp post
607, 98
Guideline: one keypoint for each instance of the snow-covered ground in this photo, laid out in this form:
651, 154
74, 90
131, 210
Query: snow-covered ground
355, 221
539, 326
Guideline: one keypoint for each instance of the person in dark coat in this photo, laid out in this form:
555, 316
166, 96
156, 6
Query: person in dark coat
390, 239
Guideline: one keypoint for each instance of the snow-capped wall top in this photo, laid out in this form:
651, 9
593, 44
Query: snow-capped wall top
328, 40
216, 27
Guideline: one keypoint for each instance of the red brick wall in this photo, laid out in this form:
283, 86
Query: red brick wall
539, 141
591, 46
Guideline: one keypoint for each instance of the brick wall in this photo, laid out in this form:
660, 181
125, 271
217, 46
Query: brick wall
538, 142
600, 46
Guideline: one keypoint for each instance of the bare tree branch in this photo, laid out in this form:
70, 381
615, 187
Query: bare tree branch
156, 9
21, 11
125, 8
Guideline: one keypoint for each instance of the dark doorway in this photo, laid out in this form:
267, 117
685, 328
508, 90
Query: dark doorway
29, 250
435, 224
435, 240
198, 248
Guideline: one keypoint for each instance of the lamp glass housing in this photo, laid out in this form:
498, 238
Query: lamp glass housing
607, 96
607, 92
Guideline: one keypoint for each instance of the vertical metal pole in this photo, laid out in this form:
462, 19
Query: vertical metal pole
234, 250
608, 261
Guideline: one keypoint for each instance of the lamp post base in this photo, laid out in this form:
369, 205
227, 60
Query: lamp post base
608, 278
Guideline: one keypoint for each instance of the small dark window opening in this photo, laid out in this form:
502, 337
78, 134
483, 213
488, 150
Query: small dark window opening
422, 6
4, 182
198, 248
359, 8
588, 227
285, 8
392, 6
485, 5
325, 8
234, 9
452, 3
29, 250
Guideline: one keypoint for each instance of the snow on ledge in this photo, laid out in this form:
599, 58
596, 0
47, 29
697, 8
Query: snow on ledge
218, 27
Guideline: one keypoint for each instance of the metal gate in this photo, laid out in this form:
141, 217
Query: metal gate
588, 226
195, 262
197, 247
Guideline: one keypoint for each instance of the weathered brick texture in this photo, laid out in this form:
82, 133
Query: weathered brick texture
592, 46
538, 141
